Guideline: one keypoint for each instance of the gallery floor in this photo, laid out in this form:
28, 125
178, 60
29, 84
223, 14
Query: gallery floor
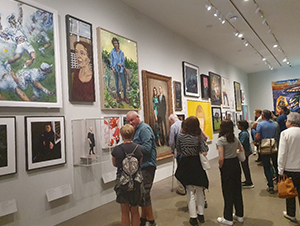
170, 209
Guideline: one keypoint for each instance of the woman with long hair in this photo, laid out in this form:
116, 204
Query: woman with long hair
190, 142
230, 169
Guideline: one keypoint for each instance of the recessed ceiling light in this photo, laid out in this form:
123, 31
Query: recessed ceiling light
233, 18
275, 46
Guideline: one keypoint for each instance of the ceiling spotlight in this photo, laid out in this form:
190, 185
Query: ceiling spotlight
208, 7
240, 35
264, 21
246, 43
284, 60
263, 59
236, 34
287, 62
275, 45
216, 13
257, 10
223, 21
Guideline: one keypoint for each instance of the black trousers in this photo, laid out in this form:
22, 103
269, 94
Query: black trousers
246, 170
232, 188
291, 203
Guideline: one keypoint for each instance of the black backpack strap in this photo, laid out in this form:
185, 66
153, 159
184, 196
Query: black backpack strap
135, 149
131, 152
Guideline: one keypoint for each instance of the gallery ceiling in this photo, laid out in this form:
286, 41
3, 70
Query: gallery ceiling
263, 24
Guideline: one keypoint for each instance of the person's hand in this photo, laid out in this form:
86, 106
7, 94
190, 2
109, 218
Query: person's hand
120, 65
51, 145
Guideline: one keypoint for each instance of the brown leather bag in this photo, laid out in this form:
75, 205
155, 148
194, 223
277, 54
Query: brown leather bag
286, 188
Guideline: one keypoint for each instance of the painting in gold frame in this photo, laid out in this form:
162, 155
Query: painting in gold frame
157, 97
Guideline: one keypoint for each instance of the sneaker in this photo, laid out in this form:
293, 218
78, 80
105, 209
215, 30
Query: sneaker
200, 218
222, 220
271, 190
239, 219
193, 221
152, 224
248, 185
293, 219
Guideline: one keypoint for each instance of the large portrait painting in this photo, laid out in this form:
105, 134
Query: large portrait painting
80, 60
177, 96
205, 87
215, 89
157, 96
237, 96
286, 93
30, 58
7, 146
119, 74
190, 79
202, 110
45, 141
226, 92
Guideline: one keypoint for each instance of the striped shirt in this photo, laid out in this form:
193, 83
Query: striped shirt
190, 145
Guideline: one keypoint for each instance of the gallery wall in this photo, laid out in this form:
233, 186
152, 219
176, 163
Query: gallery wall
260, 86
160, 51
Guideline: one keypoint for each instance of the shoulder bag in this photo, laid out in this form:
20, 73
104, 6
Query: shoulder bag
286, 188
267, 146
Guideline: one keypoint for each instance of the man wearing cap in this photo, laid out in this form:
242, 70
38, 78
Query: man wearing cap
34, 77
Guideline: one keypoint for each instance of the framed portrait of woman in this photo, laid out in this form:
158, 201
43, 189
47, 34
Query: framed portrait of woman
205, 87
157, 97
190, 79
80, 60
177, 96
119, 73
215, 89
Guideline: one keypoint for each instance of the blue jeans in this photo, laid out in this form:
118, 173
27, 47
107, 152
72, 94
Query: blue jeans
267, 167
122, 77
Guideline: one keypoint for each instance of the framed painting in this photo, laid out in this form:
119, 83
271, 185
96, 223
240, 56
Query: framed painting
245, 112
124, 120
216, 118
110, 131
80, 60
286, 93
237, 96
30, 60
225, 92
119, 74
190, 79
202, 110
243, 97
7, 145
157, 96
45, 141
205, 87
215, 89
177, 96
181, 117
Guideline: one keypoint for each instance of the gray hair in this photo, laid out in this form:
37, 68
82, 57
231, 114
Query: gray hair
133, 113
294, 118
173, 117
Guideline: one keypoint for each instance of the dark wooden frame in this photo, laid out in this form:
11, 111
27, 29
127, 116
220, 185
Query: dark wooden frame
147, 80
177, 96
212, 117
203, 96
186, 67
212, 77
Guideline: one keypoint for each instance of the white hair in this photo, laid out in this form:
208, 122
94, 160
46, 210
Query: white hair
294, 118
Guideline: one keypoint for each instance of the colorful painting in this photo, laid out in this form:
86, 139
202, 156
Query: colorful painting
237, 96
245, 112
80, 60
110, 133
205, 87
286, 93
202, 110
216, 118
190, 79
7, 146
119, 74
226, 92
158, 106
30, 58
215, 89
45, 139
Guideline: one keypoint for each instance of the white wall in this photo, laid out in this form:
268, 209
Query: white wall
160, 50
260, 86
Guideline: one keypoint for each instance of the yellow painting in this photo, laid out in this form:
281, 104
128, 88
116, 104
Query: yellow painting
202, 111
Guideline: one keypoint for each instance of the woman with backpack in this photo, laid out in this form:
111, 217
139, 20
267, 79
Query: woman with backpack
127, 157
190, 142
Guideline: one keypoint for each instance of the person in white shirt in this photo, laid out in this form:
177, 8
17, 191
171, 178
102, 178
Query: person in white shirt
289, 159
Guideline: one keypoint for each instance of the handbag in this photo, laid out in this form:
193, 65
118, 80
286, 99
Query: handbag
286, 188
267, 146
241, 155
204, 162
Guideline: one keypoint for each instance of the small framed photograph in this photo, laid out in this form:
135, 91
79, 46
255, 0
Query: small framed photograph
237, 96
45, 141
181, 117
205, 87
7, 145
217, 118
215, 89
124, 120
80, 60
177, 96
190, 79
